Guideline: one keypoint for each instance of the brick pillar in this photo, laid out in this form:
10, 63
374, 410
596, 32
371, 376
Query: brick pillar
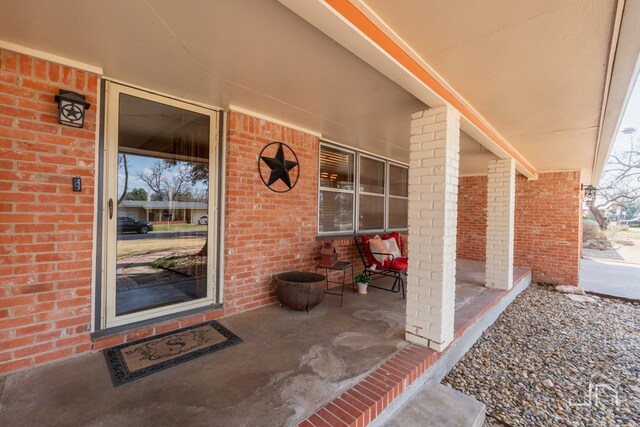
501, 196
433, 201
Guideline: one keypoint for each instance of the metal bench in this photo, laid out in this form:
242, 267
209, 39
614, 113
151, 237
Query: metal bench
395, 267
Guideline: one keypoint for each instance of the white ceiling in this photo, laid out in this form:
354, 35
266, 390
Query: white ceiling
253, 54
535, 70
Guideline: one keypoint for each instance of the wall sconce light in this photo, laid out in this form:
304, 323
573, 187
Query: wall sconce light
71, 108
589, 191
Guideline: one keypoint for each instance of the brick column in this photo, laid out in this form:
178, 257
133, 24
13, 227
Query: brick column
433, 201
501, 196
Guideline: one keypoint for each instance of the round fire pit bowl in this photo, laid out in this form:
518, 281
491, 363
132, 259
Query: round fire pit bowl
299, 290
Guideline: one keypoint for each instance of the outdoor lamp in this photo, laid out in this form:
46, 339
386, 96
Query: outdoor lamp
589, 191
71, 108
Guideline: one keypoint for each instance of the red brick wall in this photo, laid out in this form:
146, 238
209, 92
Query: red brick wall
472, 218
266, 232
548, 219
46, 230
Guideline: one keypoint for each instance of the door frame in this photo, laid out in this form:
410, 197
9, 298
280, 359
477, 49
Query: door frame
105, 303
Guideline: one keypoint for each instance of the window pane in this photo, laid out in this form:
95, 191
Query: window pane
336, 212
336, 168
371, 175
398, 181
163, 185
371, 213
398, 213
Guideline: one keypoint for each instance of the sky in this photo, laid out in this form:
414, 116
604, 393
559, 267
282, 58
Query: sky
630, 119
141, 165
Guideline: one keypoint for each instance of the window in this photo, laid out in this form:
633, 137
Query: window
337, 189
358, 192
398, 200
371, 194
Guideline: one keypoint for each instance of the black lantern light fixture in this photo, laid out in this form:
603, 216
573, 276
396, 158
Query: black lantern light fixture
71, 108
589, 191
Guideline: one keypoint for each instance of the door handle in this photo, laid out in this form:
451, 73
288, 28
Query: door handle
110, 208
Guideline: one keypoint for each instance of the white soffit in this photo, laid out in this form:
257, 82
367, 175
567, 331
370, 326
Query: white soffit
263, 57
323, 16
535, 71
254, 54
624, 75
538, 71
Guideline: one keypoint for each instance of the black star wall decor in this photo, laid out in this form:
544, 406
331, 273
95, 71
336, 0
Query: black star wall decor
280, 168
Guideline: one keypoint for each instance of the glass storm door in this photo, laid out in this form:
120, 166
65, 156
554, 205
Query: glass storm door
160, 201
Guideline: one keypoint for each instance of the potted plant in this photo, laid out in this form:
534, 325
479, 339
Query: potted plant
363, 281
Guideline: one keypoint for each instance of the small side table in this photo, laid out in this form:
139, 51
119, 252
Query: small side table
339, 266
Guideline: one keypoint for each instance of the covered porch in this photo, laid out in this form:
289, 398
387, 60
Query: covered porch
341, 366
497, 126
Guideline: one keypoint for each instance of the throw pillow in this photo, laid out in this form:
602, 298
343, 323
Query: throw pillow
378, 248
392, 248
404, 245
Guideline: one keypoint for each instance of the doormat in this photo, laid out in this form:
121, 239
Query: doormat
137, 359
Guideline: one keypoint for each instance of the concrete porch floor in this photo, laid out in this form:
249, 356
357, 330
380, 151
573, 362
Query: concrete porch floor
290, 364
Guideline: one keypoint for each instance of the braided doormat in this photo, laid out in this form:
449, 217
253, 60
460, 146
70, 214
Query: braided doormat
137, 359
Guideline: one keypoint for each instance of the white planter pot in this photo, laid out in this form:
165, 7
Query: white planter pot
362, 288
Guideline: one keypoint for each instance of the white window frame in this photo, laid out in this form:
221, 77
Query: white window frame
356, 191
389, 197
366, 193
338, 190
108, 316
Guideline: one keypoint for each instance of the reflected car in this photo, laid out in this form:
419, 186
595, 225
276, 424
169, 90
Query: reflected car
634, 223
126, 224
204, 220
624, 225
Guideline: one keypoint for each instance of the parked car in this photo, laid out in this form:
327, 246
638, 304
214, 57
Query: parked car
126, 224
204, 220
622, 225
629, 223
634, 222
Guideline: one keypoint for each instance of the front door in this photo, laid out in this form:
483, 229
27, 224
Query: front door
160, 156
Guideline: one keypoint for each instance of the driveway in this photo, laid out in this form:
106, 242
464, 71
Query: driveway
607, 277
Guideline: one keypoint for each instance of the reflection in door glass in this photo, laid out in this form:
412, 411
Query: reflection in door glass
162, 207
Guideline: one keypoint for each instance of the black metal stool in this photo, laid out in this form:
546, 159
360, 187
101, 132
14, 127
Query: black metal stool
338, 266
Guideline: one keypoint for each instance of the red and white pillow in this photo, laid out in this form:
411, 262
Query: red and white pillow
378, 248
392, 248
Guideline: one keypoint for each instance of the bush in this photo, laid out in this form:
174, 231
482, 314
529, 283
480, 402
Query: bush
590, 229
162, 263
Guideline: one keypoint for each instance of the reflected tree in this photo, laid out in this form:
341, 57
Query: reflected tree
620, 182
139, 194
122, 164
168, 180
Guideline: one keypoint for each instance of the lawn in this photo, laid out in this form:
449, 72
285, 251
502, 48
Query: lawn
129, 248
633, 233
177, 227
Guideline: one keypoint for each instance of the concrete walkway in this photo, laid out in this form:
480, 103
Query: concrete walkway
438, 405
614, 278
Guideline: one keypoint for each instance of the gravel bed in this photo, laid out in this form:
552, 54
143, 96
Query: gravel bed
535, 364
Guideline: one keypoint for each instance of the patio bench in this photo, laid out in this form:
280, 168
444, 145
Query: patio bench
383, 264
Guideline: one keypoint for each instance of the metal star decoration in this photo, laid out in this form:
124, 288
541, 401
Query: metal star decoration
71, 112
280, 167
